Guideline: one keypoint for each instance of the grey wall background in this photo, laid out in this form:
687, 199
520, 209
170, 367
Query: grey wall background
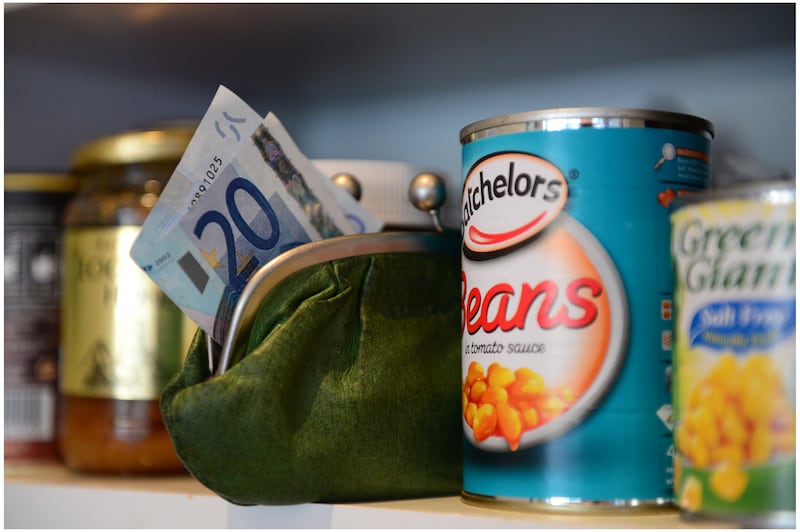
395, 82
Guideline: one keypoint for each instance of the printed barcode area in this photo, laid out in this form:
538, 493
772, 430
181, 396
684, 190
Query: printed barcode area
28, 414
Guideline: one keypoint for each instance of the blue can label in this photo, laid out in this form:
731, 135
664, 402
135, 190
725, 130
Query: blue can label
566, 311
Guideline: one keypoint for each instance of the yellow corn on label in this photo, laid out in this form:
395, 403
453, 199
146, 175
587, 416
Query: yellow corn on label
121, 337
734, 351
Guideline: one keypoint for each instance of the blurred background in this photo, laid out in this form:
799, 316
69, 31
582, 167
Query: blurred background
394, 81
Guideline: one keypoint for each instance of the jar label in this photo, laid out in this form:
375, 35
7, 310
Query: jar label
31, 296
121, 336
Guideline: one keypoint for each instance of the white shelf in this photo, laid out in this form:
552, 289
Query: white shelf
50, 496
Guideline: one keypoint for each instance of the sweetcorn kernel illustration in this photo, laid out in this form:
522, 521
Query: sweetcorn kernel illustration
677, 474
729, 454
692, 494
728, 482
699, 452
738, 415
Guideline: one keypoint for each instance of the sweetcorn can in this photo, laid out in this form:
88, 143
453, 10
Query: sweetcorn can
567, 304
734, 354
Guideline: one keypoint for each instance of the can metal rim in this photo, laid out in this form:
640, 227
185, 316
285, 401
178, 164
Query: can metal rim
133, 147
567, 118
566, 505
39, 182
773, 192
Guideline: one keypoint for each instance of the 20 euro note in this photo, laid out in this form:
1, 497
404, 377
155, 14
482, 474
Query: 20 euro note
227, 122
275, 199
360, 219
269, 199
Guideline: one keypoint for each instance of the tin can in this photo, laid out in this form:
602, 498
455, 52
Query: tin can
34, 205
567, 304
122, 338
734, 354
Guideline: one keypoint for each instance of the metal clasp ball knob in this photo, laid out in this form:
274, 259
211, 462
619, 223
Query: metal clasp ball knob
427, 192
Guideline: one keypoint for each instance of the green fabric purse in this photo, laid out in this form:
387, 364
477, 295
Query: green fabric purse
348, 388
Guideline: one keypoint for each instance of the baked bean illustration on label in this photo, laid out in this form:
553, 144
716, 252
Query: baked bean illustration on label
573, 294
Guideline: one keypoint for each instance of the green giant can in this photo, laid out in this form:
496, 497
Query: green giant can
734, 352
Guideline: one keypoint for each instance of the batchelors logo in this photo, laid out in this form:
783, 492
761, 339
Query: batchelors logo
508, 199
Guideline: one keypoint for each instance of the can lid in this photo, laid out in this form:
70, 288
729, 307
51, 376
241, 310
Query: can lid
584, 117
39, 182
130, 147
778, 192
384, 188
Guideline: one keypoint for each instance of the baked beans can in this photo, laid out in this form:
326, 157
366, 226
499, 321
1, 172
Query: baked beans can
735, 354
34, 205
567, 304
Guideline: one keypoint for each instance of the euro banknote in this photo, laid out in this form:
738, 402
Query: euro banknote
359, 218
201, 245
227, 122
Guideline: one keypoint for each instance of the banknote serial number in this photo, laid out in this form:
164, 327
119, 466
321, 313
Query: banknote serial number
214, 168
162, 259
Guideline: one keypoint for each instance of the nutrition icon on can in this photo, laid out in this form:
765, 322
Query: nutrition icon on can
735, 355
566, 303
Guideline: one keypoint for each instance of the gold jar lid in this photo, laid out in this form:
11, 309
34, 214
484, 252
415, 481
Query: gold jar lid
39, 182
131, 147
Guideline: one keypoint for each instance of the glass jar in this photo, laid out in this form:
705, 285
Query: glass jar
34, 207
121, 337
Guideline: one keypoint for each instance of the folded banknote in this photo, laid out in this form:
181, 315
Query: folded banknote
242, 194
